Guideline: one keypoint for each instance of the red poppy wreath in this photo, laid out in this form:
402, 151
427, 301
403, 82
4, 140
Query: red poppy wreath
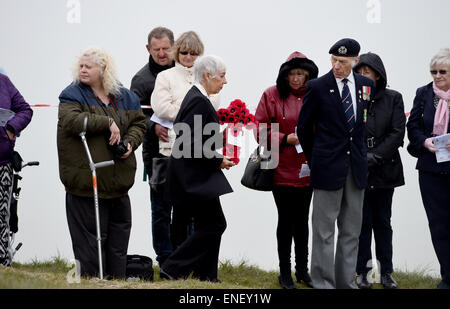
237, 117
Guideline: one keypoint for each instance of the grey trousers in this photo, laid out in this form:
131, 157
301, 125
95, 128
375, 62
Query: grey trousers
344, 206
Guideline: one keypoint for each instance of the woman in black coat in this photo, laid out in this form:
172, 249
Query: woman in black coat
195, 180
430, 118
385, 130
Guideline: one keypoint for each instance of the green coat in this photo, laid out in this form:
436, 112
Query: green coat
77, 101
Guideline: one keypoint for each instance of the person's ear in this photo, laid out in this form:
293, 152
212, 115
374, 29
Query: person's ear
356, 60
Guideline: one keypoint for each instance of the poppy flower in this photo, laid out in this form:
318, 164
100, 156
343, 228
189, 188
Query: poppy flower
238, 117
238, 104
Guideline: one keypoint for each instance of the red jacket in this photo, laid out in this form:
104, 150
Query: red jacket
270, 109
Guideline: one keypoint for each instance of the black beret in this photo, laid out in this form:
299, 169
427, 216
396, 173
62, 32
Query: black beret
345, 48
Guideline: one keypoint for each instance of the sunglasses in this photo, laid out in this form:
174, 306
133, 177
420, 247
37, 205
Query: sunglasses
184, 53
442, 72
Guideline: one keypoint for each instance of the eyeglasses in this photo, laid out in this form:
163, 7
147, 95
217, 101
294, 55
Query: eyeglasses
442, 72
184, 53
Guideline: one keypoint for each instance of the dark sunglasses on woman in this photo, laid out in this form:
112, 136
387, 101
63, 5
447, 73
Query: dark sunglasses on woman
442, 72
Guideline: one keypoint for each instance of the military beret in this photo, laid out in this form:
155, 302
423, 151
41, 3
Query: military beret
345, 48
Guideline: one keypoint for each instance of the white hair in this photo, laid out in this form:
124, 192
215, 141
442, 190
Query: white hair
441, 58
207, 64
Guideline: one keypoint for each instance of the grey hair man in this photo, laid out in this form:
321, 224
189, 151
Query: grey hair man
331, 130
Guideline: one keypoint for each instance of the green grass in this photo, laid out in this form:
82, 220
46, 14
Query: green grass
52, 274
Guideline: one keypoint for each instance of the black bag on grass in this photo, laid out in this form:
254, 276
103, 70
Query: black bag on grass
139, 266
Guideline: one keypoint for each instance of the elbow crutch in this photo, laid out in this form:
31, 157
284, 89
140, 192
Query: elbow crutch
93, 166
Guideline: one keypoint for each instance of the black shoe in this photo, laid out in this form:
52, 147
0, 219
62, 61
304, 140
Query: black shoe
443, 285
388, 282
165, 275
304, 276
286, 282
362, 282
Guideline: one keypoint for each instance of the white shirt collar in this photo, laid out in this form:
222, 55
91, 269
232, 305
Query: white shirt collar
202, 89
350, 77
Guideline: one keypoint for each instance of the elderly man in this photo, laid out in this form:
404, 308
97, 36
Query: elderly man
160, 42
331, 130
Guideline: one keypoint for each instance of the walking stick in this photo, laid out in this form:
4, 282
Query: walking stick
93, 166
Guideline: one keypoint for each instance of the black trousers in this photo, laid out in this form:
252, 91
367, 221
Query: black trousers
115, 227
377, 210
199, 253
293, 213
435, 191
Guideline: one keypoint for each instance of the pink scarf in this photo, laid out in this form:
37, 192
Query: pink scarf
441, 117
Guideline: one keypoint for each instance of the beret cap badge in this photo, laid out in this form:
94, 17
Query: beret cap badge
342, 50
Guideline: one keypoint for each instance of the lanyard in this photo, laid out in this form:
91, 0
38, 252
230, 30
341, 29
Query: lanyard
114, 104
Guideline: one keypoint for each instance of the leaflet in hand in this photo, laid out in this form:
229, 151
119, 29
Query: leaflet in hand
298, 147
443, 155
5, 116
165, 123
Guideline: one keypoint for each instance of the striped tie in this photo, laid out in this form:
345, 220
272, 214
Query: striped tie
348, 105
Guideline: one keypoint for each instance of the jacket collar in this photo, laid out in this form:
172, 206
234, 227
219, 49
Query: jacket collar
157, 68
87, 89
202, 89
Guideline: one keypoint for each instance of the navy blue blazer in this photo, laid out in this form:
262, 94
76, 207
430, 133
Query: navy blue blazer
420, 127
324, 133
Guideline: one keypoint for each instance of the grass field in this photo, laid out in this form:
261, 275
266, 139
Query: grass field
53, 274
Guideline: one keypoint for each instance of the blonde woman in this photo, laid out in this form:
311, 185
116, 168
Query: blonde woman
114, 118
172, 85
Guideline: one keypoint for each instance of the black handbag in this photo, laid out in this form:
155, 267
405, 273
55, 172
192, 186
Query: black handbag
258, 175
159, 172
139, 267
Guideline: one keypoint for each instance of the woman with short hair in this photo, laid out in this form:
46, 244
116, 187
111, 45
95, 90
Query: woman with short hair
429, 119
195, 180
171, 87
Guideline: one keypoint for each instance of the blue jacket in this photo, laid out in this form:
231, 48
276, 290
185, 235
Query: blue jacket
420, 127
324, 134
11, 99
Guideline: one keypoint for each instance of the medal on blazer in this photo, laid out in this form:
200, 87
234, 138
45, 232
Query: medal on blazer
365, 115
366, 92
